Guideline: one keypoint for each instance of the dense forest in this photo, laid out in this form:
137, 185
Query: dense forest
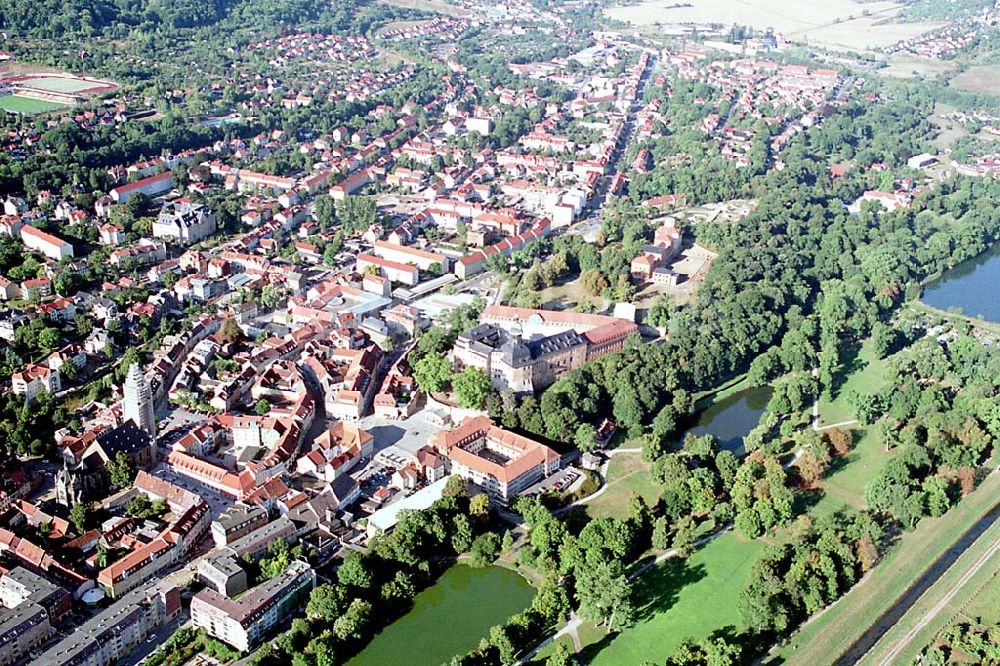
50, 19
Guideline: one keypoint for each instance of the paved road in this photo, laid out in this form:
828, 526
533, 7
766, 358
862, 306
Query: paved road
859, 648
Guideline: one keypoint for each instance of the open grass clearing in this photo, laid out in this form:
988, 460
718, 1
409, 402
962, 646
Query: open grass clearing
437, 6
862, 374
568, 294
849, 476
949, 130
542, 656
627, 473
679, 600
21, 68
838, 23
845, 621
28, 105
984, 79
904, 66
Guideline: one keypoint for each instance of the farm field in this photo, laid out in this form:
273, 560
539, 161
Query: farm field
984, 79
27, 105
679, 600
837, 23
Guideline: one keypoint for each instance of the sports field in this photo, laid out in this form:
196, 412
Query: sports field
27, 105
836, 23
58, 84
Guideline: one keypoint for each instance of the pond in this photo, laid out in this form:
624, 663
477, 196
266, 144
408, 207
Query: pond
449, 618
731, 418
970, 288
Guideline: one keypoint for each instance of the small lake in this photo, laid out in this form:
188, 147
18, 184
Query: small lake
449, 618
732, 418
971, 287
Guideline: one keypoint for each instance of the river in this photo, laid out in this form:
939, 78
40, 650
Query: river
449, 618
970, 288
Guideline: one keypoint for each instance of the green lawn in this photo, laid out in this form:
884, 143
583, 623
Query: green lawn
986, 604
864, 375
679, 600
849, 476
627, 473
16, 104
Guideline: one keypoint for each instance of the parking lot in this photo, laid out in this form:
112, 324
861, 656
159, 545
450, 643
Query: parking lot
564, 481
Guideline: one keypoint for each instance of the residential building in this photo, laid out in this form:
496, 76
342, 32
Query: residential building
422, 259
19, 585
52, 247
151, 186
34, 379
184, 221
244, 621
236, 522
22, 627
393, 270
115, 632
500, 462
169, 546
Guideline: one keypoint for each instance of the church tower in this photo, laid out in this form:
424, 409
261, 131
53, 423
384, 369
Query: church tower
137, 403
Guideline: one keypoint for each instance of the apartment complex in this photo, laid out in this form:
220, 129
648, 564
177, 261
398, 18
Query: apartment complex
115, 632
244, 621
190, 521
236, 522
500, 462
52, 247
29, 606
